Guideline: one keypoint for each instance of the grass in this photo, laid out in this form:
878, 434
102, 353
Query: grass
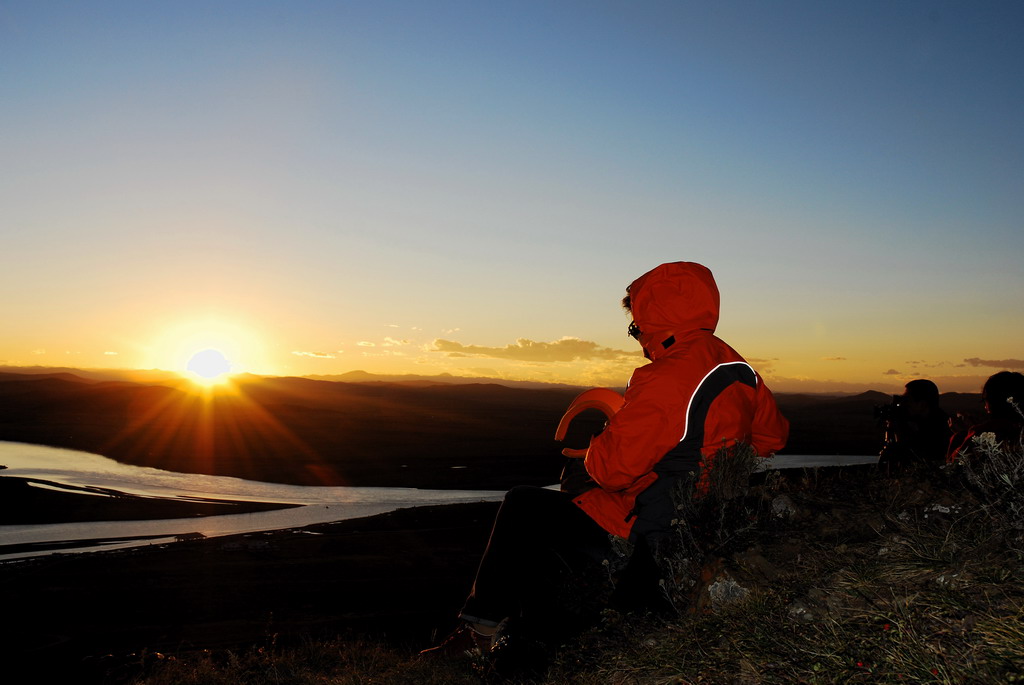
339, 662
861, 579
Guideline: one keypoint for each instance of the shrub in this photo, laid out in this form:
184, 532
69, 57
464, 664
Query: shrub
994, 471
710, 514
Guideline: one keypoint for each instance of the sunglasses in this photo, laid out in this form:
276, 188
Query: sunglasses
634, 330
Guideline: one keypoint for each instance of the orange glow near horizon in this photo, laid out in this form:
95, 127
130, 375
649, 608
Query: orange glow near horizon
207, 351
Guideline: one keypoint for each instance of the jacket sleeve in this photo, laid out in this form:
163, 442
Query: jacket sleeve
770, 429
638, 436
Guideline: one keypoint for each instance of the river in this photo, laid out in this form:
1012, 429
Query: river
316, 504
82, 469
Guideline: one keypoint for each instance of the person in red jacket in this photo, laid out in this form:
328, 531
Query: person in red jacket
696, 397
1003, 396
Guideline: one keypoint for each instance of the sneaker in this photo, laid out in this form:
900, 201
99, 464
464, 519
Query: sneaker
463, 643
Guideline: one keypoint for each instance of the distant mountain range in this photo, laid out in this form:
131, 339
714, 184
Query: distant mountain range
360, 429
88, 375
439, 379
298, 430
160, 376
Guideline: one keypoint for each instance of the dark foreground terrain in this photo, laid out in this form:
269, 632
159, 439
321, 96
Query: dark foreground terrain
839, 573
400, 577
842, 576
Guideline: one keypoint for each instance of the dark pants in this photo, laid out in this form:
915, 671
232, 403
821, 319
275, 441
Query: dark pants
543, 549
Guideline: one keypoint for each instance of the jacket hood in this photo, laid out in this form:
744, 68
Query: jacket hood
671, 300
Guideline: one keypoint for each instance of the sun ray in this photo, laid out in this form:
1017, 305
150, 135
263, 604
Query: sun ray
215, 420
198, 429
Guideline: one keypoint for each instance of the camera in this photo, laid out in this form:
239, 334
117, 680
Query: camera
894, 411
892, 418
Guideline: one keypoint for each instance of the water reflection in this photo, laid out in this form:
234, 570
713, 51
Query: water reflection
82, 469
319, 504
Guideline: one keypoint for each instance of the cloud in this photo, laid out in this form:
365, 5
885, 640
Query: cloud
833, 359
391, 342
997, 363
110, 354
314, 355
38, 352
931, 365
891, 372
366, 343
564, 350
765, 365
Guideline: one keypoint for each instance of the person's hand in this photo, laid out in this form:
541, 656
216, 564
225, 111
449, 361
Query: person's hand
575, 480
958, 423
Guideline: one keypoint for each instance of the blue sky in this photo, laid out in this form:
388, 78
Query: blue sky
322, 187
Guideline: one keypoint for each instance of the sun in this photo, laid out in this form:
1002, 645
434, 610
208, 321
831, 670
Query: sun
208, 351
210, 365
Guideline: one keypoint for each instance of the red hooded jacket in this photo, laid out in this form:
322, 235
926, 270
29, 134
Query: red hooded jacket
696, 396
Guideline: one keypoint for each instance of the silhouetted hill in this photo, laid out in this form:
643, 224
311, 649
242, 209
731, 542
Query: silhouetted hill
301, 431
847, 424
308, 431
132, 375
59, 375
438, 379
833, 425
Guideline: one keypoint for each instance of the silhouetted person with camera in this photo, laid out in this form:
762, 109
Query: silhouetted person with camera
1003, 396
917, 430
